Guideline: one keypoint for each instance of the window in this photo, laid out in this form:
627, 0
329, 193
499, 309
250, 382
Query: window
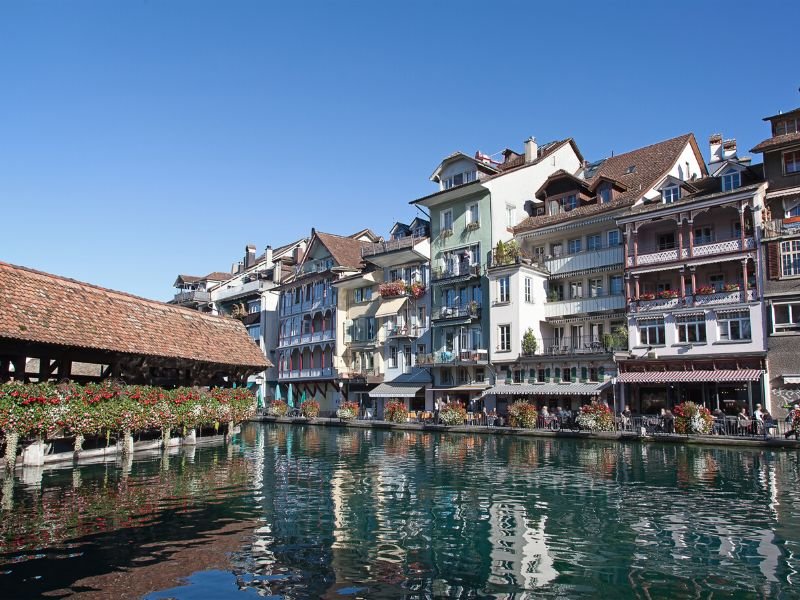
458, 179
670, 194
538, 252
594, 242
791, 162
615, 285
407, 356
574, 246
362, 294
785, 316
593, 374
503, 289
473, 214
576, 289
786, 126
691, 328
614, 238
556, 249
511, 216
703, 235
393, 357
254, 306
518, 375
604, 193
651, 332
504, 338
731, 180
566, 374
717, 282
479, 376
363, 330
541, 375
666, 241
790, 258
420, 351
528, 289
255, 334
570, 202
734, 325
446, 220
554, 207
792, 212
595, 288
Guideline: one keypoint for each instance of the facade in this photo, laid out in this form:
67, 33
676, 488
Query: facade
566, 276
312, 328
693, 282
781, 249
477, 206
402, 265
193, 291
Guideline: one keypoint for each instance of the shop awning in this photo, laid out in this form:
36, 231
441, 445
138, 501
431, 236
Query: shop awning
390, 307
462, 388
547, 389
716, 376
396, 390
787, 379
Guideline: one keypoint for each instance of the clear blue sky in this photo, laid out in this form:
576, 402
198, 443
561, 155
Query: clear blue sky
143, 139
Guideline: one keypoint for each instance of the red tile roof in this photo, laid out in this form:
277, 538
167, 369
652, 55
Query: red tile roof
44, 308
346, 251
651, 164
719, 375
776, 142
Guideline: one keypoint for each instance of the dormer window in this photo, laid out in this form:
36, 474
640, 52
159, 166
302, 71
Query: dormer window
731, 180
604, 194
670, 194
554, 207
459, 179
791, 162
570, 202
786, 126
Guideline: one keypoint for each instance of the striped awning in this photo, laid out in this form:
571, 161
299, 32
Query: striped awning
716, 376
547, 389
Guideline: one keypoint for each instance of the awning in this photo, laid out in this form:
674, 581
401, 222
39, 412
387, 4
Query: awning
791, 379
548, 389
461, 388
396, 390
390, 307
716, 376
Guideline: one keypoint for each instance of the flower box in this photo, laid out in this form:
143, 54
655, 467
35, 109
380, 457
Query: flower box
706, 290
393, 289
647, 296
666, 294
473, 226
730, 287
446, 233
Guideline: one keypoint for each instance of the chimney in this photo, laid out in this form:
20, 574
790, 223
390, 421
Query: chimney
298, 252
249, 256
234, 268
715, 148
531, 150
277, 271
239, 267
268, 256
729, 149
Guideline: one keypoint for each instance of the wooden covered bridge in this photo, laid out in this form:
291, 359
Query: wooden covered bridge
59, 324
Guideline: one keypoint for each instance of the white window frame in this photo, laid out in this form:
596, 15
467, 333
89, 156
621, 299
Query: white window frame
617, 237
576, 290
793, 314
651, 332
670, 194
574, 246
393, 361
528, 289
611, 289
504, 290
691, 329
476, 217
790, 250
596, 287
731, 180
504, 338
726, 331
444, 217
511, 216
594, 241
570, 202
795, 162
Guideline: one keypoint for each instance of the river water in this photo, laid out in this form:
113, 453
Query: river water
311, 512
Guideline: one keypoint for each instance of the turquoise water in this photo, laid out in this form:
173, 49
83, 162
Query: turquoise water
309, 512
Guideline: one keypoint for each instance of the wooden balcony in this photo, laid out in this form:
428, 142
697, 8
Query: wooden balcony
668, 255
580, 306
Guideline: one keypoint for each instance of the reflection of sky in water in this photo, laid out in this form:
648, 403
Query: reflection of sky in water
327, 512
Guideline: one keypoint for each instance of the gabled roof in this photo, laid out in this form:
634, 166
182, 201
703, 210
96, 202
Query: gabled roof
560, 174
458, 155
213, 276
345, 251
373, 237
48, 309
639, 170
794, 111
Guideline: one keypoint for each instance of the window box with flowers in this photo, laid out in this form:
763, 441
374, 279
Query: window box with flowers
446, 233
666, 294
730, 287
473, 226
647, 296
393, 289
705, 290
416, 290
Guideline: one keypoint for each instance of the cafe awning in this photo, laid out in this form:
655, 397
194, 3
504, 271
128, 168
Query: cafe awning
396, 390
547, 389
461, 388
390, 307
716, 376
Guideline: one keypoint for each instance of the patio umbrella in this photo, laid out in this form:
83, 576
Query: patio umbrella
278, 392
302, 397
290, 397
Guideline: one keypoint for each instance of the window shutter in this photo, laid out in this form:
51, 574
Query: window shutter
547, 373
584, 373
558, 373
773, 260
602, 371
574, 373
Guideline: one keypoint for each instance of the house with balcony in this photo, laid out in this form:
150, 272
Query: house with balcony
693, 285
477, 205
402, 266
192, 291
311, 340
781, 252
566, 271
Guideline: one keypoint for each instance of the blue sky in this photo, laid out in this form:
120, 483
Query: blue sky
143, 139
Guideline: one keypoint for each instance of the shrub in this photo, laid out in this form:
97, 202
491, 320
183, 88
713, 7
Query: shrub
395, 411
453, 413
529, 343
278, 408
522, 414
692, 418
347, 410
596, 417
310, 409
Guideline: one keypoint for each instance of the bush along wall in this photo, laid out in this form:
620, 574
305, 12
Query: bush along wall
46, 411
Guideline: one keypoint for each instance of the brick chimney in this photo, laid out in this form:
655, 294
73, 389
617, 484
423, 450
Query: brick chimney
715, 148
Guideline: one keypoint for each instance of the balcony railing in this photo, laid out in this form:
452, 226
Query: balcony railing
479, 356
404, 332
589, 259
578, 306
472, 311
320, 372
308, 306
307, 338
699, 300
191, 296
777, 227
574, 345
463, 269
667, 254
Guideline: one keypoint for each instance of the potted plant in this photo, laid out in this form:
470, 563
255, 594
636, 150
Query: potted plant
596, 417
395, 412
347, 411
705, 290
647, 296
529, 343
523, 414
473, 308
500, 253
278, 408
667, 294
310, 409
416, 290
731, 287
453, 413
692, 418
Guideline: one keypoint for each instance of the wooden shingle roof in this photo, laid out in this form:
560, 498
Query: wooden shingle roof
48, 309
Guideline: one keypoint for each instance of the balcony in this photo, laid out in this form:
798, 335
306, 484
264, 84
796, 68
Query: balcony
233, 291
307, 338
308, 306
580, 306
778, 227
404, 332
667, 255
578, 345
698, 300
458, 272
479, 356
590, 259
191, 296
314, 373
448, 313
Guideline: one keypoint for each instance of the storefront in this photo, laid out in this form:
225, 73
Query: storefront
568, 396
